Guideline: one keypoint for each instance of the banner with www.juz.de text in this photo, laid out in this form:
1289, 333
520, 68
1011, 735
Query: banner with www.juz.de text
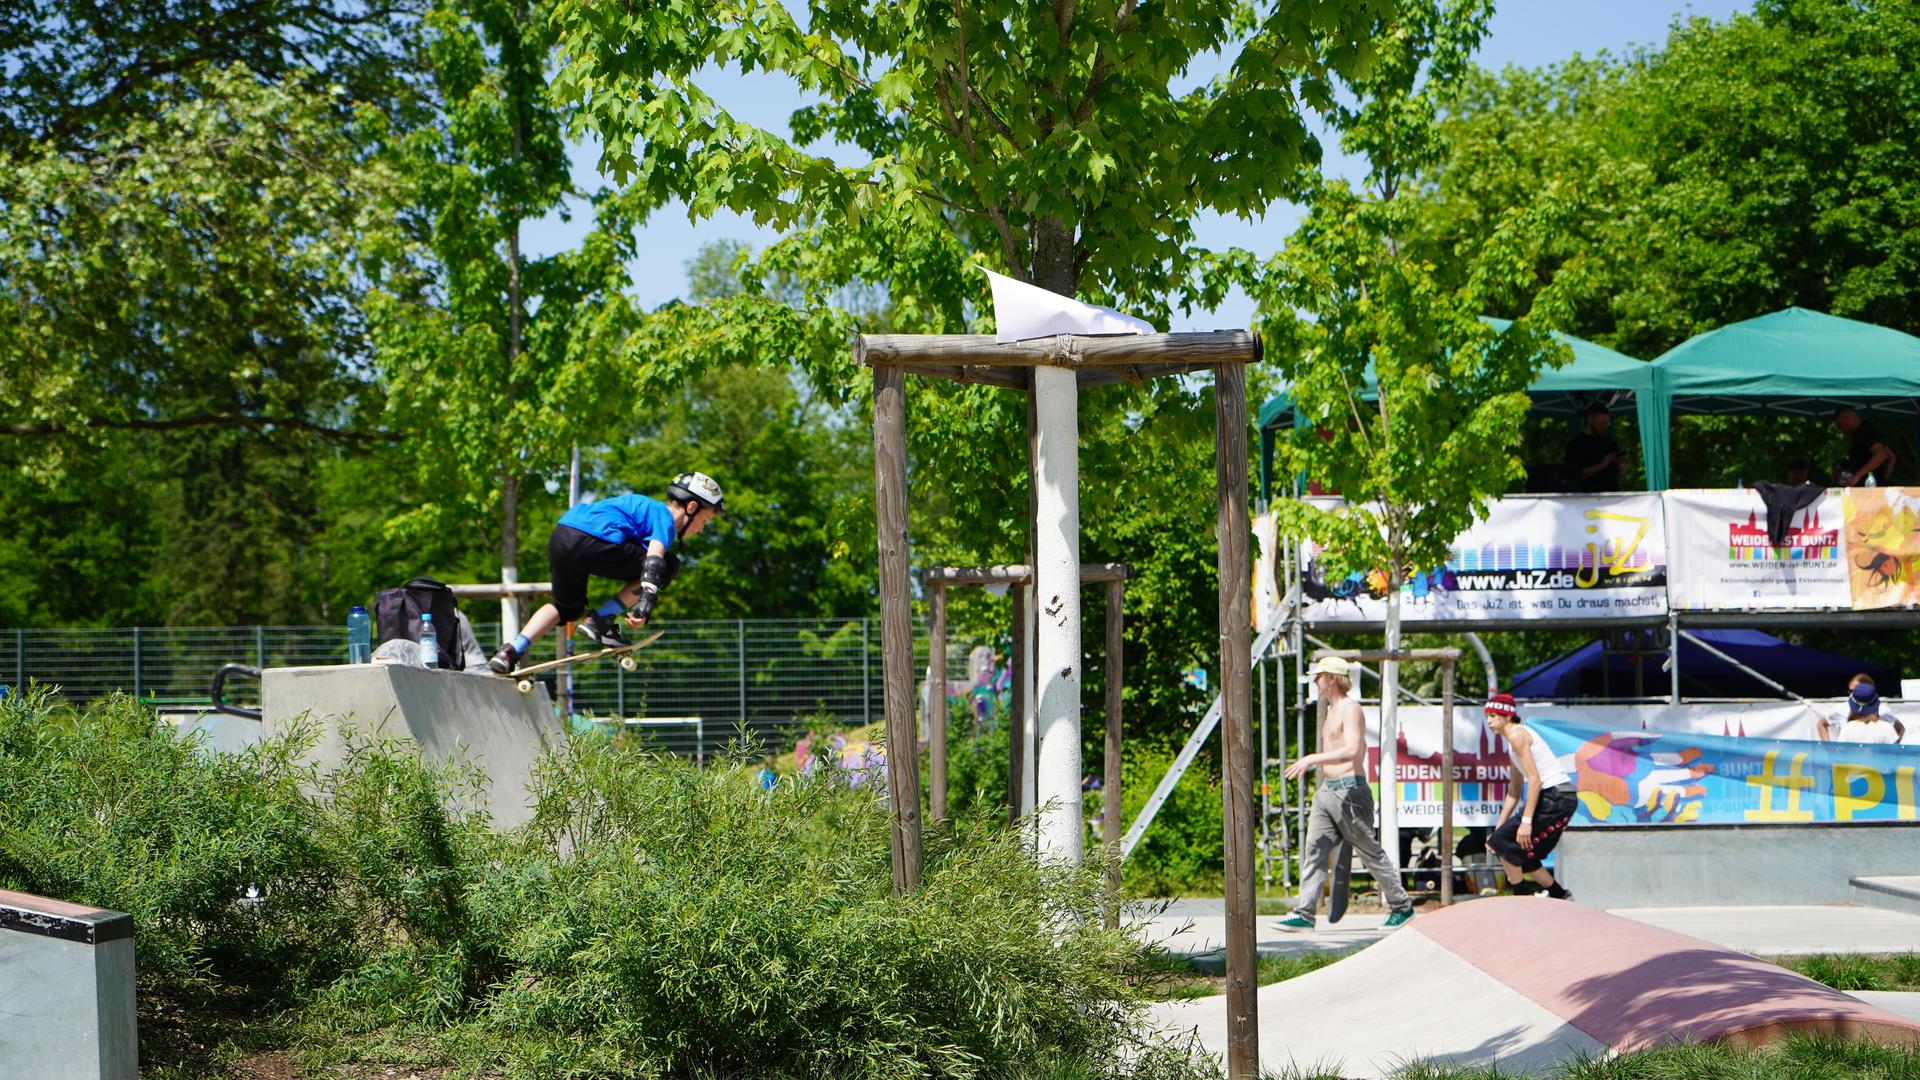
1556, 557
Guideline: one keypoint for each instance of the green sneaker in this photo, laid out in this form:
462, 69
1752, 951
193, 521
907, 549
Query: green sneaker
1398, 918
1296, 922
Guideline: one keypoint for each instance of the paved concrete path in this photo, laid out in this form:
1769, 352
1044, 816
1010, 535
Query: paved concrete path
1466, 986
1789, 931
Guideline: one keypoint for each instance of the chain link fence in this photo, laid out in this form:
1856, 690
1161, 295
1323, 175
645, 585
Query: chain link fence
768, 679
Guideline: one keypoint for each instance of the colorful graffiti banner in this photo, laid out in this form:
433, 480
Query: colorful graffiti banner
1534, 557
1883, 547
1627, 777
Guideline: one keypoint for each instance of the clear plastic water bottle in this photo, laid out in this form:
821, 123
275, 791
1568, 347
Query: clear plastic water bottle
429, 642
359, 636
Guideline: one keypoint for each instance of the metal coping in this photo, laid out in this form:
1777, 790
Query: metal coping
38, 915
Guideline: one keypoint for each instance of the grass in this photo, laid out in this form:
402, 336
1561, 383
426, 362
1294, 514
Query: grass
1174, 976
1858, 971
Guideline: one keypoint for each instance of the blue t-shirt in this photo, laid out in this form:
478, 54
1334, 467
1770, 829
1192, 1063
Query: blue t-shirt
623, 519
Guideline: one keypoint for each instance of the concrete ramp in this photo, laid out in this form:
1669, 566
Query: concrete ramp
1529, 983
452, 716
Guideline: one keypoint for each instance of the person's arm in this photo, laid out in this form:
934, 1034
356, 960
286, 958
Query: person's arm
1879, 456
652, 575
1819, 721
1520, 753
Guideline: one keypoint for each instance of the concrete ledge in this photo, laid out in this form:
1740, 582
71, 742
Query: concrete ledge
1636, 866
452, 716
67, 991
1892, 893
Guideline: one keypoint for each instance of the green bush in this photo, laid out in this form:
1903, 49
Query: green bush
1183, 851
653, 919
704, 925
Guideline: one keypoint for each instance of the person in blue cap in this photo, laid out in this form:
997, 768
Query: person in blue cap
627, 538
1865, 721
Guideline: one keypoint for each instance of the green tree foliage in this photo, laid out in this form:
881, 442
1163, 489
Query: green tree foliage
505, 360
1344, 303
1063, 144
1744, 167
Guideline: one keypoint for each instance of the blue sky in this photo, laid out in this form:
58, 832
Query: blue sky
1529, 33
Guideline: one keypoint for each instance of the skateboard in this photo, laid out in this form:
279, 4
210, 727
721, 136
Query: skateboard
524, 674
1342, 879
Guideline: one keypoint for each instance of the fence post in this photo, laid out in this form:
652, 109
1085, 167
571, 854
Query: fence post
740, 631
260, 647
620, 691
19, 660
136, 663
866, 675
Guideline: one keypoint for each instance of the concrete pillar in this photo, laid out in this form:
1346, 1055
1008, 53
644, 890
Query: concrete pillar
1056, 583
66, 990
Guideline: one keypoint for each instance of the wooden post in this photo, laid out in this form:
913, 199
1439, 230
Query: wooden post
1110, 789
1016, 723
937, 702
896, 620
1236, 729
1446, 783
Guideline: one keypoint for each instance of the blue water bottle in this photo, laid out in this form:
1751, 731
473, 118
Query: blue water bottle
359, 636
429, 642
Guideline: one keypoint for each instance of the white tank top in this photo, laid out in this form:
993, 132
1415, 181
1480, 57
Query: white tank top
1544, 763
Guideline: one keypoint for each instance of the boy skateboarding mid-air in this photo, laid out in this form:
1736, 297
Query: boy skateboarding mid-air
626, 538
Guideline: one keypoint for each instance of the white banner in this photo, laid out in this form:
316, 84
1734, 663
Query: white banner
1722, 558
1535, 557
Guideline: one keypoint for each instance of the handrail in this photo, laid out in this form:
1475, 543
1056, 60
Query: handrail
218, 691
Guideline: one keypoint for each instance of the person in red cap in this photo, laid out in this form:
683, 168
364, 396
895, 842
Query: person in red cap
1522, 840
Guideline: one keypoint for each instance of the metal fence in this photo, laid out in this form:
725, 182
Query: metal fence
767, 678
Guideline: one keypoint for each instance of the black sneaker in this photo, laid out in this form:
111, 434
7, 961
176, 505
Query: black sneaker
1558, 892
1526, 888
602, 630
504, 661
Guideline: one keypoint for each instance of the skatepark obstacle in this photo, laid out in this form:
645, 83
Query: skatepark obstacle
67, 991
452, 716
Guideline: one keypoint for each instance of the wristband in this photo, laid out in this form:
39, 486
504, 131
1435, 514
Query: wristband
1526, 821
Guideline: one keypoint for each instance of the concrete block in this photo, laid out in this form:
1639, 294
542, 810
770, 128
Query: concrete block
1633, 866
453, 716
66, 991
1900, 894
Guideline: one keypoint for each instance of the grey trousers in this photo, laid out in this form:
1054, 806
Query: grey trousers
1338, 814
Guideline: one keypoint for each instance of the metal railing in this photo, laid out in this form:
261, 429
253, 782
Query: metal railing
770, 678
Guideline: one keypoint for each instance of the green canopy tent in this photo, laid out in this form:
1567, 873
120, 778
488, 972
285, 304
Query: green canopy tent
1596, 373
1793, 362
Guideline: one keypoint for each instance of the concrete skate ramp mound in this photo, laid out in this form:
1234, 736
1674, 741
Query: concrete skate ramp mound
1632, 986
452, 716
1528, 983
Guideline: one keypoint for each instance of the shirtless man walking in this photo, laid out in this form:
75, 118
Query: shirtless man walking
1342, 805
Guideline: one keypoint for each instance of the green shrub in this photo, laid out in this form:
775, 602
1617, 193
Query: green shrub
1182, 852
653, 919
703, 925
216, 857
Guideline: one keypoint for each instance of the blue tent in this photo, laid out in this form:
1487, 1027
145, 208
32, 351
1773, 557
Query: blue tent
1591, 672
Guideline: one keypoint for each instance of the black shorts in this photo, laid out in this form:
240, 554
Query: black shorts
1550, 817
574, 556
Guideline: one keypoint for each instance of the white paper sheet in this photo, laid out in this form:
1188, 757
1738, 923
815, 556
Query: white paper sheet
1023, 311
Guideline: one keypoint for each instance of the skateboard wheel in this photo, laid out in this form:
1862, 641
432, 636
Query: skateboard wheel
627, 663
526, 686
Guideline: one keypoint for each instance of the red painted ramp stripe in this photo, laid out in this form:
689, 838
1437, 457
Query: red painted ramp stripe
1631, 986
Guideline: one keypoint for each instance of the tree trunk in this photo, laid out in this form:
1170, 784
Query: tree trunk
510, 473
1390, 723
1053, 252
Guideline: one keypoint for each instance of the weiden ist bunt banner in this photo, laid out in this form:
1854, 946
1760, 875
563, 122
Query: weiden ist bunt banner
1539, 557
1629, 777
1724, 560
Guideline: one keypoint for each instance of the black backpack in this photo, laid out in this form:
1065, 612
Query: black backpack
396, 614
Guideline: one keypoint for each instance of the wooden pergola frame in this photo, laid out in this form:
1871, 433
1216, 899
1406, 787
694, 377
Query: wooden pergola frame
936, 580
1095, 361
